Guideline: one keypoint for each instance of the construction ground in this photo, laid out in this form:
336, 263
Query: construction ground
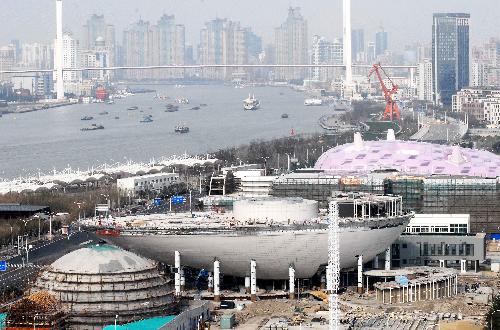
464, 311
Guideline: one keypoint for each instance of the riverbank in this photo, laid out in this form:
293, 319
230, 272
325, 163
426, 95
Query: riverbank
16, 108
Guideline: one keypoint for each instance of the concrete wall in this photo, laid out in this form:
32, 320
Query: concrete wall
189, 318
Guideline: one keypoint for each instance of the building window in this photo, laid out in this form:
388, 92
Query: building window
461, 249
405, 246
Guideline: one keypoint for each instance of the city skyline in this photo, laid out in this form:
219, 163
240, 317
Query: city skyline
38, 19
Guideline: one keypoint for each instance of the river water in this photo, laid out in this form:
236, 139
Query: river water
52, 139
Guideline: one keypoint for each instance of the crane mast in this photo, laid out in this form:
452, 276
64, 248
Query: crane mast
391, 107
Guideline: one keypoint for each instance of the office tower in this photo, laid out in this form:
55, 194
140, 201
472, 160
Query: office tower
381, 42
450, 55
424, 80
358, 45
291, 45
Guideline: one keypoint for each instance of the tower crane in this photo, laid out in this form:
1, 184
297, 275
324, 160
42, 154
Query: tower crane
391, 107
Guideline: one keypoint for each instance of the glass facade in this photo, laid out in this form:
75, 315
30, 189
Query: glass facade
450, 53
433, 195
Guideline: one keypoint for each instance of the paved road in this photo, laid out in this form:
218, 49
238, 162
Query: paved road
43, 254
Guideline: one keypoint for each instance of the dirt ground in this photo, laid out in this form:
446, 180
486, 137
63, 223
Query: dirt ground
460, 325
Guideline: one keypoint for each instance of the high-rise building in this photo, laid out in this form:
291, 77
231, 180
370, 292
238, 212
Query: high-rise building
253, 45
99, 46
36, 55
450, 55
95, 28
381, 42
358, 45
485, 67
7, 60
223, 41
424, 80
150, 45
291, 45
370, 52
71, 57
136, 49
325, 52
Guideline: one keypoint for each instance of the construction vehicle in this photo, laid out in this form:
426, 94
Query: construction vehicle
391, 107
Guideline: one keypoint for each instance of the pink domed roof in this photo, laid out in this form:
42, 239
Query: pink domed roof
410, 157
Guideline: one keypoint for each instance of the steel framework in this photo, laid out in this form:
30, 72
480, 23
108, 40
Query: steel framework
333, 268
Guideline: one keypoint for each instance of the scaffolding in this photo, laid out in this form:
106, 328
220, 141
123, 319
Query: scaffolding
434, 194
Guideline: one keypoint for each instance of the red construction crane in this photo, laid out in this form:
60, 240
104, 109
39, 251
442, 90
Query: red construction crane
391, 107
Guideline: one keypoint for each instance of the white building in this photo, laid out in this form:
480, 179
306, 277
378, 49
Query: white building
71, 57
424, 80
325, 52
37, 55
481, 103
256, 186
479, 74
439, 223
152, 182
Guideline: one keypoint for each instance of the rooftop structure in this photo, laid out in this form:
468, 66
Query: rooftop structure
416, 158
152, 182
95, 283
10, 210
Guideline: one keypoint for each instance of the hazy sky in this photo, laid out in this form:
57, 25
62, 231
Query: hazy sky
407, 21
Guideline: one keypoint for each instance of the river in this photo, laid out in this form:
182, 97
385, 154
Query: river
51, 139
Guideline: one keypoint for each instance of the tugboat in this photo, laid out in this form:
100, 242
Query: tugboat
87, 118
284, 116
133, 108
93, 127
172, 108
147, 119
104, 113
251, 103
181, 129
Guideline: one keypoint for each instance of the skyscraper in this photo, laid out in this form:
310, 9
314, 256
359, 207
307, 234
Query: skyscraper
223, 41
291, 45
381, 42
98, 46
136, 48
95, 28
450, 55
148, 45
358, 45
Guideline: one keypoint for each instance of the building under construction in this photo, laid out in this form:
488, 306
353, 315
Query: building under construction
430, 178
99, 284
